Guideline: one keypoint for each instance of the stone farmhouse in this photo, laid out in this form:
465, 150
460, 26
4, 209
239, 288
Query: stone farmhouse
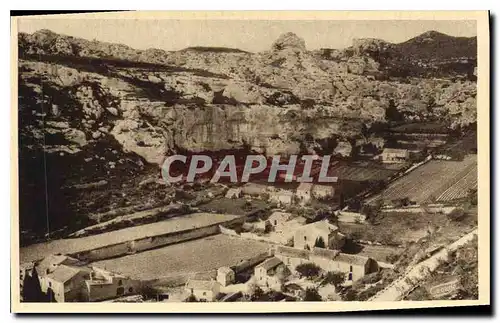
318, 234
65, 279
202, 290
107, 285
304, 192
234, 193
392, 155
225, 276
270, 273
354, 266
277, 219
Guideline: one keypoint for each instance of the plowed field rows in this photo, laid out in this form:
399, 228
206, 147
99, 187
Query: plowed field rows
437, 179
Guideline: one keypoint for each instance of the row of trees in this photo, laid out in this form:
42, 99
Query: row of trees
32, 290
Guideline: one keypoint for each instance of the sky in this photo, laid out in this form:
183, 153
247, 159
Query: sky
249, 35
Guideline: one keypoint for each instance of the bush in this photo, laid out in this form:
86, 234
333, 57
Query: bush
472, 197
247, 206
392, 258
371, 211
191, 299
350, 295
370, 291
371, 278
320, 243
308, 270
311, 295
254, 291
265, 196
334, 278
457, 215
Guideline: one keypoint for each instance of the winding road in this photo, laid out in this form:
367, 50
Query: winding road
399, 288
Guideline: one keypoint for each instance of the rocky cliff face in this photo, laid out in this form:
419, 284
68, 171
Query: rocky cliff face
120, 110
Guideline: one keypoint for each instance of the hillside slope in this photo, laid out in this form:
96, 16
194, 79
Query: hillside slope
93, 112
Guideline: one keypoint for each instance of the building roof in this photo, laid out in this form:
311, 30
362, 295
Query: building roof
395, 151
284, 193
253, 189
325, 253
292, 252
233, 190
51, 261
64, 273
206, 275
225, 270
201, 284
269, 263
323, 226
280, 214
323, 189
351, 259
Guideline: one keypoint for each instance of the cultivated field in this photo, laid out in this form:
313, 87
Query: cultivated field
361, 174
68, 246
184, 258
461, 188
436, 179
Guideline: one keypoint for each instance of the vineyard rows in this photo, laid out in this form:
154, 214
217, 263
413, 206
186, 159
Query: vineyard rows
437, 179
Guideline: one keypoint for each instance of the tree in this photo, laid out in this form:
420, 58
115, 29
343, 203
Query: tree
265, 196
191, 299
335, 278
308, 270
282, 272
311, 295
350, 295
472, 195
247, 206
392, 113
320, 243
457, 215
32, 290
255, 292
371, 211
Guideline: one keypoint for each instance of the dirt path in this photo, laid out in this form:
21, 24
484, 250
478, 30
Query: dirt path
406, 283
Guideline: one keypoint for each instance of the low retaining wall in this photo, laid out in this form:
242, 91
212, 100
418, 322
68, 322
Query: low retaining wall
147, 243
229, 232
351, 217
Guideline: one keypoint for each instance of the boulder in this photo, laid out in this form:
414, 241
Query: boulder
243, 92
76, 136
289, 41
113, 111
343, 149
96, 134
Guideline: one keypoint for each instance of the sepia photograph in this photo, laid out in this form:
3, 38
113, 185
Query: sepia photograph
247, 161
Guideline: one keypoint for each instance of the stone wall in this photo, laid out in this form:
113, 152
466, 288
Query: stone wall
147, 243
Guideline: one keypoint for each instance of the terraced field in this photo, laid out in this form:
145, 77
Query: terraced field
436, 180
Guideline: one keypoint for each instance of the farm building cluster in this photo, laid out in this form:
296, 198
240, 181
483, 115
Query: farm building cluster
65, 279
